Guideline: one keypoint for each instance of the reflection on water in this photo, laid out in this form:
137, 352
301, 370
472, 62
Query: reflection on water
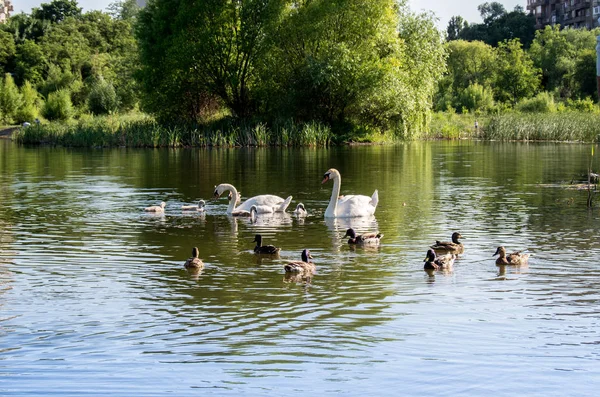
94, 295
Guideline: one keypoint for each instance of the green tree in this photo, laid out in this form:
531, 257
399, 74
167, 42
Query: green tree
30, 62
455, 26
516, 76
8, 51
476, 98
57, 10
190, 50
10, 99
470, 63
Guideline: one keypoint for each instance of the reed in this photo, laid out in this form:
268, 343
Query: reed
562, 126
143, 131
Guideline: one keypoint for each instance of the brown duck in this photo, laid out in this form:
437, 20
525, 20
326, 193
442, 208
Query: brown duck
194, 262
516, 258
303, 266
453, 247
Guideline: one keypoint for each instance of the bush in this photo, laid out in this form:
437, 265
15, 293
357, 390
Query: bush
29, 109
541, 103
58, 106
582, 105
476, 98
102, 98
10, 99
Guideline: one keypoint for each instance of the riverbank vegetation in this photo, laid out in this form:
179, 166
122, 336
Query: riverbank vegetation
229, 73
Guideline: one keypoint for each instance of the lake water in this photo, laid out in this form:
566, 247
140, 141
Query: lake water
94, 299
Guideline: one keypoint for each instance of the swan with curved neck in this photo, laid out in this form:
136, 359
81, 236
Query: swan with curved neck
264, 203
348, 206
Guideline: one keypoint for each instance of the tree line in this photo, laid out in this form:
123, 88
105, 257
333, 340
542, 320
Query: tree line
353, 65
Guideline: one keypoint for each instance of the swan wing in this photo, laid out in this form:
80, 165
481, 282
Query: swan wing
264, 199
355, 205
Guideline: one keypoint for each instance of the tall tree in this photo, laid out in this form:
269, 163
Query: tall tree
516, 77
455, 26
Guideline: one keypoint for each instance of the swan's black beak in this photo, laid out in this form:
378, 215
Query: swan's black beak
325, 178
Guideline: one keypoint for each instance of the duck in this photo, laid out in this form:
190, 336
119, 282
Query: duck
194, 262
156, 208
516, 258
199, 207
264, 249
264, 202
363, 239
434, 262
454, 246
303, 266
300, 210
347, 206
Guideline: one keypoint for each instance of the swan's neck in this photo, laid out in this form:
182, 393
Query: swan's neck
335, 194
233, 200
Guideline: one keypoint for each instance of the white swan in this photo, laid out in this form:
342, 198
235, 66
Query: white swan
264, 203
348, 206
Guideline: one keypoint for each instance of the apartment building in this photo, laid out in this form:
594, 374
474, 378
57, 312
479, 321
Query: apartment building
6, 8
567, 13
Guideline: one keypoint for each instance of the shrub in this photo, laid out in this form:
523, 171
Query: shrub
102, 98
58, 106
29, 109
582, 105
476, 98
10, 99
541, 103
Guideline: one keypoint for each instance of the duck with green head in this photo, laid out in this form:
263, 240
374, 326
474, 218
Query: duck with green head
434, 262
363, 239
264, 249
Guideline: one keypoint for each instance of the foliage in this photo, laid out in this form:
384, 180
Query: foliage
29, 109
565, 58
516, 77
541, 103
476, 98
10, 98
456, 25
498, 26
58, 106
102, 98
8, 50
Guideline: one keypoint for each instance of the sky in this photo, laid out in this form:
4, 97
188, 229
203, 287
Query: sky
443, 9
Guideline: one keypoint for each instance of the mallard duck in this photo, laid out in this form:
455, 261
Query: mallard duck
199, 207
516, 258
454, 246
264, 249
194, 262
156, 208
303, 266
363, 239
300, 210
434, 262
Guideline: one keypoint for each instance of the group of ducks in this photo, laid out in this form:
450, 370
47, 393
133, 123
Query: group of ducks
450, 250
440, 256
303, 267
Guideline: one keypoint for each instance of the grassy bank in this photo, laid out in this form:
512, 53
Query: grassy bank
562, 126
143, 131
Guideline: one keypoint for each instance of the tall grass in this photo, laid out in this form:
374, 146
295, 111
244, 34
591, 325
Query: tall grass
143, 131
563, 126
